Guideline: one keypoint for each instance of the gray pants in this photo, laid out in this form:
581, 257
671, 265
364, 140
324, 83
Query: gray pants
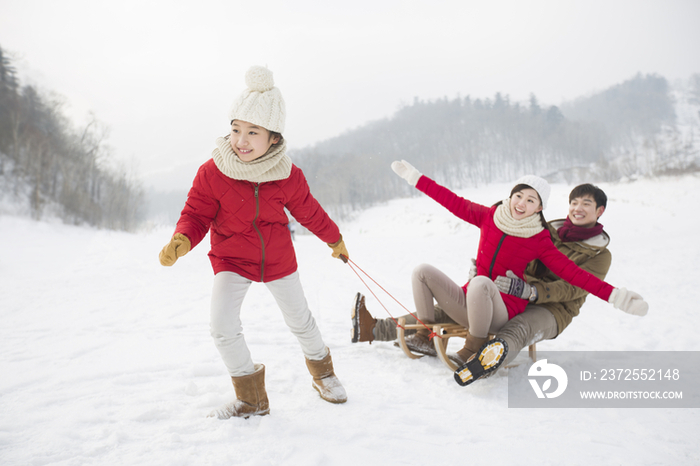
533, 325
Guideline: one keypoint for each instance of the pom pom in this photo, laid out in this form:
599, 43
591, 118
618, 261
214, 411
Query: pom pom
259, 79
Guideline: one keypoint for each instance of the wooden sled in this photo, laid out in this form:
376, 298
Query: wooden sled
446, 331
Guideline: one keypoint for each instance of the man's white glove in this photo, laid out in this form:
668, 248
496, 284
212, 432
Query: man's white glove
628, 301
406, 171
513, 285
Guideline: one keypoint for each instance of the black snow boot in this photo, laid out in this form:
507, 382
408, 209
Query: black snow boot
481, 364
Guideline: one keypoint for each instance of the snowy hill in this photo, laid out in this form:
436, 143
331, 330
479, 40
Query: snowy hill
674, 149
106, 356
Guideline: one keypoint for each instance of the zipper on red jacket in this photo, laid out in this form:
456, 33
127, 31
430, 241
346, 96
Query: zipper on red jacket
498, 248
262, 243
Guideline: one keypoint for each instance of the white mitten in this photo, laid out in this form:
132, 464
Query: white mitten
472, 270
406, 171
628, 301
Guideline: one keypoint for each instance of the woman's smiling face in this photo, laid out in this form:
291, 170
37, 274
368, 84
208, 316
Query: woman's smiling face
524, 203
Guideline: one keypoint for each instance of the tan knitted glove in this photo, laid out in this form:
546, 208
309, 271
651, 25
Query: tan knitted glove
339, 250
178, 246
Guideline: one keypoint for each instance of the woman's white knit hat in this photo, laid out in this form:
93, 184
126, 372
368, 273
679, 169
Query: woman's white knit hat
262, 103
538, 184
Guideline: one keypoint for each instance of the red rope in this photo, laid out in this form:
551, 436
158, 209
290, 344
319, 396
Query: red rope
354, 265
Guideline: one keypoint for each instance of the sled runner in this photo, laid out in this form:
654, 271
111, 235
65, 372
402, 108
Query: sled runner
446, 331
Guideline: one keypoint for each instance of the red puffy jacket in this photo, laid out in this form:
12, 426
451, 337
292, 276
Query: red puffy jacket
249, 234
500, 252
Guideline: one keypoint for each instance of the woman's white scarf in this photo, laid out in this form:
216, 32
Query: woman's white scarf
274, 165
524, 228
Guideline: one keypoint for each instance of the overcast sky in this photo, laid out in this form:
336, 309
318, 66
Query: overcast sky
163, 74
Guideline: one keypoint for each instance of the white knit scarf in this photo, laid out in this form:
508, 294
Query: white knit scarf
274, 165
524, 228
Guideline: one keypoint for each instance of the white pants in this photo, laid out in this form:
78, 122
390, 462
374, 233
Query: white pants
227, 331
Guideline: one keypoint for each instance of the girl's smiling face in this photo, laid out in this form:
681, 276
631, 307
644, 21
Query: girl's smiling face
250, 141
524, 203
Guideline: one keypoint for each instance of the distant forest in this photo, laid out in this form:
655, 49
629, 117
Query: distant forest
49, 165
464, 141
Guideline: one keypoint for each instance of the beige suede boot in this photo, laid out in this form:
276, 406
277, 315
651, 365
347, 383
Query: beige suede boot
471, 346
325, 381
251, 397
362, 321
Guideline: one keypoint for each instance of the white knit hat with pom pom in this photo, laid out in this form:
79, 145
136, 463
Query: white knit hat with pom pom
262, 103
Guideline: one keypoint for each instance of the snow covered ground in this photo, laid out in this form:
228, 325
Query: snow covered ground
106, 356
